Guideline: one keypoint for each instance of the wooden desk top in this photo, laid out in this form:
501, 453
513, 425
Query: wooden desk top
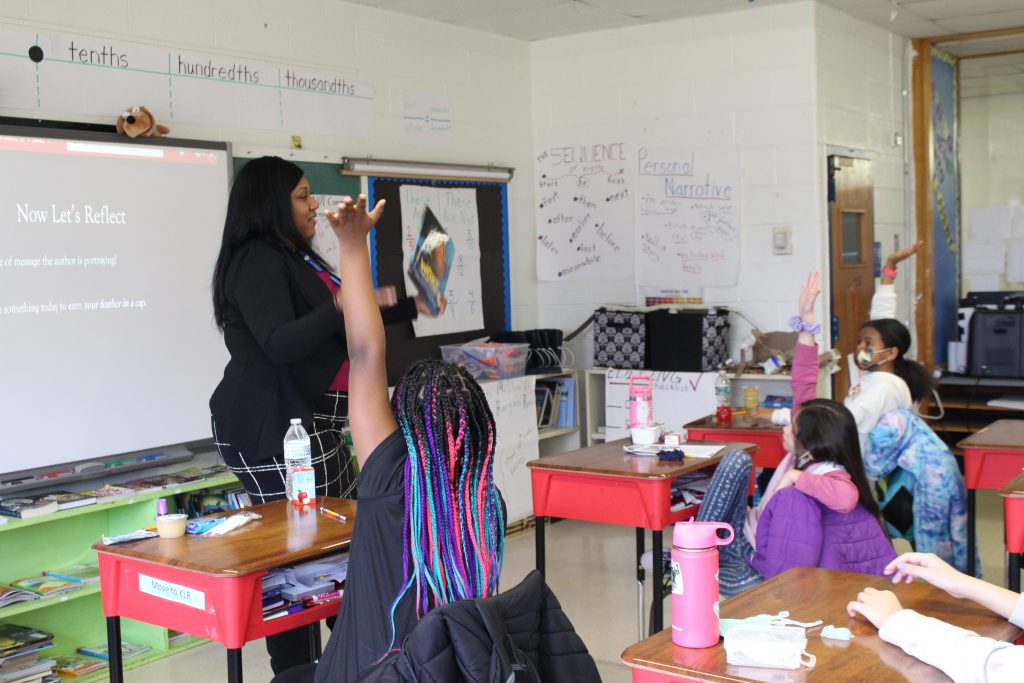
284, 535
610, 459
1002, 434
1015, 488
739, 422
810, 594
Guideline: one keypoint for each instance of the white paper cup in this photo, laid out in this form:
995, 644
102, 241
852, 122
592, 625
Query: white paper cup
171, 526
645, 436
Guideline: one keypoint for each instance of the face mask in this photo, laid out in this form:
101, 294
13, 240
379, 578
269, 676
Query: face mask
864, 358
776, 646
780, 619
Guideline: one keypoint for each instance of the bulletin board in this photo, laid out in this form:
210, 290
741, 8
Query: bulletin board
389, 266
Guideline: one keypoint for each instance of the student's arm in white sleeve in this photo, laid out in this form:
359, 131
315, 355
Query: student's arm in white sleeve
883, 302
962, 655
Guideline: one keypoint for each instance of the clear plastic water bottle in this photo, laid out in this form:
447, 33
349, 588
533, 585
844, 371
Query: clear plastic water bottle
723, 398
297, 454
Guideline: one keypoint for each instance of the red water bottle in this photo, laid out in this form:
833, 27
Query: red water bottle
695, 582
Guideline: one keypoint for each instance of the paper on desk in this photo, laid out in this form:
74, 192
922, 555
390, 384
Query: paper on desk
1015, 401
689, 449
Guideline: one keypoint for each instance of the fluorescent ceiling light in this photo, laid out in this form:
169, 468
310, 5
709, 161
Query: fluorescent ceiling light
417, 169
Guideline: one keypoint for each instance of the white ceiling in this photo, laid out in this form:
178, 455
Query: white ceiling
539, 19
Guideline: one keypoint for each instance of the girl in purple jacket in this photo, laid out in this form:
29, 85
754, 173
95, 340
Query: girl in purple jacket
818, 510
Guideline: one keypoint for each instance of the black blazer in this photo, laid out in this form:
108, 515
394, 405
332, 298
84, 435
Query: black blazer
287, 343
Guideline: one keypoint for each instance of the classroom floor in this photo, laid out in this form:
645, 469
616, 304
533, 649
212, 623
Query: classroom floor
590, 569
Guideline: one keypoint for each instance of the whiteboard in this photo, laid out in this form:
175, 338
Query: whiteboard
687, 216
677, 398
515, 418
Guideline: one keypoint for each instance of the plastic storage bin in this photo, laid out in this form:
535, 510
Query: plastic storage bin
488, 360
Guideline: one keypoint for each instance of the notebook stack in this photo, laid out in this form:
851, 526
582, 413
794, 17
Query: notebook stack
20, 660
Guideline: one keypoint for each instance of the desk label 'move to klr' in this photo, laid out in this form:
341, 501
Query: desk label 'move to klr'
172, 591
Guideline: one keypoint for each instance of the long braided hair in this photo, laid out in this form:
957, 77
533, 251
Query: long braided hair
453, 535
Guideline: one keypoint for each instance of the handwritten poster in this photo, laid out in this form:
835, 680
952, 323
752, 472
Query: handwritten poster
687, 216
93, 76
676, 398
455, 209
515, 418
584, 212
426, 119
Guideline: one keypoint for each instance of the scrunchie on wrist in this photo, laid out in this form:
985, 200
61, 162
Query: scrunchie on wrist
890, 272
798, 325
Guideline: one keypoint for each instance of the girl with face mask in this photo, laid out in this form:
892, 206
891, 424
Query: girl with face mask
888, 380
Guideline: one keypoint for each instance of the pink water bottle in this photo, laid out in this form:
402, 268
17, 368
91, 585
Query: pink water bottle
641, 410
695, 582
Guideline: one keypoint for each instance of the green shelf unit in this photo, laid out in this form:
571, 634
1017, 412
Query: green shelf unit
63, 538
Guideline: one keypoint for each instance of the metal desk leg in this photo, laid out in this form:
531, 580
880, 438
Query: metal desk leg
971, 533
114, 649
539, 543
659, 575
640, 542
235, 665
314, 642
1013, 566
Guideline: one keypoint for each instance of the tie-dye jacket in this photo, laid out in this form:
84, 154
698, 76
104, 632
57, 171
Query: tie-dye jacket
902, 439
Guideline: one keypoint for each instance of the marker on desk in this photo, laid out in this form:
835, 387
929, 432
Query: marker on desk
735, 413
333, 515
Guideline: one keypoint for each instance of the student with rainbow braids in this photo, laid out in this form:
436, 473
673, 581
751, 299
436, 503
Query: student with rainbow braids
430, 527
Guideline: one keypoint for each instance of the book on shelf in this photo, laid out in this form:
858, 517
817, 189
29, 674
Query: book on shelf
15, 639
26, 507
144, 485
10, 595
542, 396
109, 492
66, 500
79, 573
28, 674
128, 650
19, 661
74, 666
46, 586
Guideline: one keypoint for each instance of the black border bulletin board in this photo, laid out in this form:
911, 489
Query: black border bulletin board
389, 266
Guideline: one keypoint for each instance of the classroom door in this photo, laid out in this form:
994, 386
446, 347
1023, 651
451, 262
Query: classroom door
851, 267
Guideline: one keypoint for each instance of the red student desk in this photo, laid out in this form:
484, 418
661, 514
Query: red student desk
1013, 512
211, 586
766, 436
810, 594
992, 457
605, 484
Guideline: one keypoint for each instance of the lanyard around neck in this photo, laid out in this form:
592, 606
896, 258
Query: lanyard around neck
319, 267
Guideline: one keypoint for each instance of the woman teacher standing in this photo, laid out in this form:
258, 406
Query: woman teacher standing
277, 303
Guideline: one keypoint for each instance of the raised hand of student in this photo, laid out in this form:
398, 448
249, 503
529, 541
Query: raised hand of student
928, 567
809, 292
874, 605
352, 221
889, 269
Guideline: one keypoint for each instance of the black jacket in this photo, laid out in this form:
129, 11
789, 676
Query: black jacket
287, 343
521, 635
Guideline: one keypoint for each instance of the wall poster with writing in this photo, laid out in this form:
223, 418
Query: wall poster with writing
452, 211
515, 426
584, 212
687, 216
